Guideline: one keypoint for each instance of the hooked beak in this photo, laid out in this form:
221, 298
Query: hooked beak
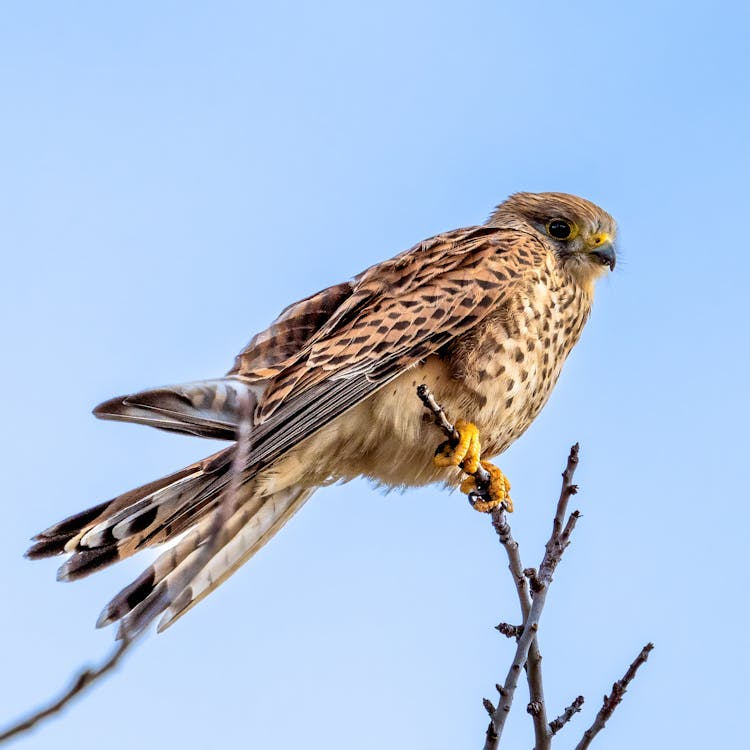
602, 248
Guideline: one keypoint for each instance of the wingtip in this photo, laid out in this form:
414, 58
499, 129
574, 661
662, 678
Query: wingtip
87, 561
168, 618
110, 409
46, 546
182, 603
39, 550
105, 618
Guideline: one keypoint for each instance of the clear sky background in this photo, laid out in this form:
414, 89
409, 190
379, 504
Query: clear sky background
172, 174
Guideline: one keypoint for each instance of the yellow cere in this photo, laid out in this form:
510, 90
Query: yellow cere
599, 239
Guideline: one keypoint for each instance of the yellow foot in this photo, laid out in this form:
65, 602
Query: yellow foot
498, 490
467, 454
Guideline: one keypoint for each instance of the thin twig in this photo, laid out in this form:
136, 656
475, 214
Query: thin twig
83, 680
613, 700
557, 724
560, 536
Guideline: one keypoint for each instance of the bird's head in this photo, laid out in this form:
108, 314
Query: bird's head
581, 234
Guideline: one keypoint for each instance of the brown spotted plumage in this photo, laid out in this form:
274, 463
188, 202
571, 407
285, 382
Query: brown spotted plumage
485, 316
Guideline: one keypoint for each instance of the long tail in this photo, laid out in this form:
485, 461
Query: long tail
207, 408
161, 511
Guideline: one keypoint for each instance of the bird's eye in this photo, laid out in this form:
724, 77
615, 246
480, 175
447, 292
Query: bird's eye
560, 229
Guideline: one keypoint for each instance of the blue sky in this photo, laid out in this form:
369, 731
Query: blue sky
174, 174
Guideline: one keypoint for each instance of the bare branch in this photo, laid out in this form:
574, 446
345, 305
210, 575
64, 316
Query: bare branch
613, 700
83, 680
542, 735
534, 661
557, 724
527, 651
531, 587
531, 626
502, 527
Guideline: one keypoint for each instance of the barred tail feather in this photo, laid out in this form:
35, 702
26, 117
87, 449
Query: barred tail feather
214, 534
183, 575
140, 518
252, 535
207, 408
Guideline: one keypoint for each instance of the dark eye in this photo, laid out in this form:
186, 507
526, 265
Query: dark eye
559, 229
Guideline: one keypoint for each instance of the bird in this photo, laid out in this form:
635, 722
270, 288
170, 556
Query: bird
484, 316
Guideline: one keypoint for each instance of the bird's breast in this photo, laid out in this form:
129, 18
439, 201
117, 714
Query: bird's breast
514, 359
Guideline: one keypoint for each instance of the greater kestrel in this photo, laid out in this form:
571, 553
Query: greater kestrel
485, 316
